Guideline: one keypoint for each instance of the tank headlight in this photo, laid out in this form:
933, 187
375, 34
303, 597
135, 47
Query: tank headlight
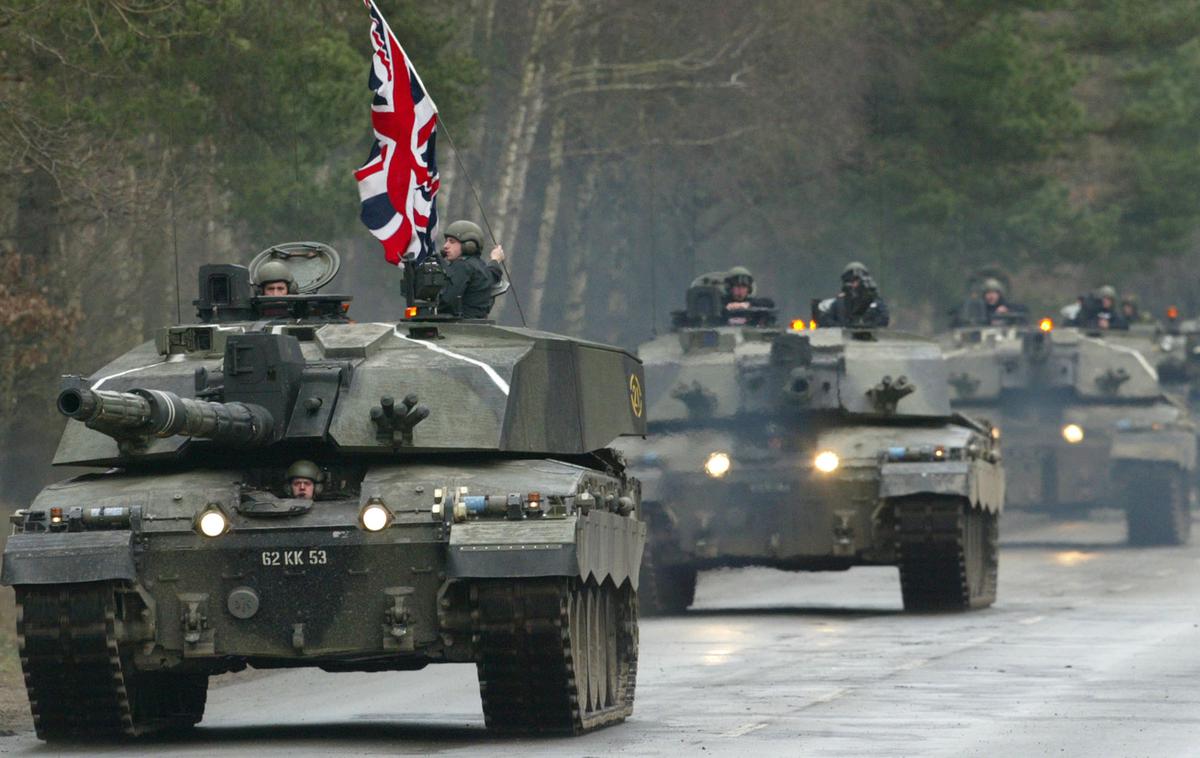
1073, 433
212, 523
375, 516
717, 465
827, 461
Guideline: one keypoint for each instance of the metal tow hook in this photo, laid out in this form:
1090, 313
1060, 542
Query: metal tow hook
194, 623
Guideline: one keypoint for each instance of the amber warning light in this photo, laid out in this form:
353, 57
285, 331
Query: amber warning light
1172, 312
799, 325
410, 312
1046, 325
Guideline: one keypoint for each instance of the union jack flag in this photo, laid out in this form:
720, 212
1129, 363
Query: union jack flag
399, 182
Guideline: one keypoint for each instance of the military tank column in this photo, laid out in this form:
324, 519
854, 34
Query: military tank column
807, 449
1086, 422
452, 511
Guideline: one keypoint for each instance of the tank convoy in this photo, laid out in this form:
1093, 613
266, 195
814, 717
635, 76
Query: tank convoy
811, 449
1085, 421
468, 510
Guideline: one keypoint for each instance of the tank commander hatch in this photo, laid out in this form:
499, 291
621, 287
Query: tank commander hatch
858, 305
303, 480
469, 293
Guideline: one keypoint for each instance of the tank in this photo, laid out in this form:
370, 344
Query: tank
1085, 421
811, 450
468, 509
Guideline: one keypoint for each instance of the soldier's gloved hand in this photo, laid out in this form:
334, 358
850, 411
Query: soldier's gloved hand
737, 305
497, 254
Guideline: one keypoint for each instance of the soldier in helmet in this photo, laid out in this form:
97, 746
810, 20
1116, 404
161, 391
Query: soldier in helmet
1132, 311
739, 297
990, 308
469, 293
274, 278
1100, 310
304, 479
857, 305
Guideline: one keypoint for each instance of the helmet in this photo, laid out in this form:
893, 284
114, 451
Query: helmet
276, 271
992, 284
1108, 291
303, 469
1129, 298
739, 275
854, 270
469, 234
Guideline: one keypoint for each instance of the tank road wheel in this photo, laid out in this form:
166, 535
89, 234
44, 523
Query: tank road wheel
665, 590
555, 655
80, 683
1157, 504
948, 553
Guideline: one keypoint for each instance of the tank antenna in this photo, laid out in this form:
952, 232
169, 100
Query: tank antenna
483, 214
175, 249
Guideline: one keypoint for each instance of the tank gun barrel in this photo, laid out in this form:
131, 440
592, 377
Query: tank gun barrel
158, 413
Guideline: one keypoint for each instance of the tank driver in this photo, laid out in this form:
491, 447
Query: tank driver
303, 480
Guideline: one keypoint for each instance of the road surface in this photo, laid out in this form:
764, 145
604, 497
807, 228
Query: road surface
1092, 650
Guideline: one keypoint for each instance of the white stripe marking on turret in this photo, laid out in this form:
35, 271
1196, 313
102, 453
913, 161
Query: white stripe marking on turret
491, 372
102, 380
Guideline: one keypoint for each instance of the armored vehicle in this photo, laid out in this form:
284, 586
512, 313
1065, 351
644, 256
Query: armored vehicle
1085, 424
467, 509
811, 449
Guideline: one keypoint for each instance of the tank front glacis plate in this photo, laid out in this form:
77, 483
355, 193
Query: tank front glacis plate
773, 507
314, 587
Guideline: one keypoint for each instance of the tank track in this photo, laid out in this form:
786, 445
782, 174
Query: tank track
555, 655
948, 554
79, 685
1157, 503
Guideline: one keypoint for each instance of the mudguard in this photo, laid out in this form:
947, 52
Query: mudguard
981, 484
1175, 446
68, 558
598, 544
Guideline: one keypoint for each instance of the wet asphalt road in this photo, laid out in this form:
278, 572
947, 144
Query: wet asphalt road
1092, 650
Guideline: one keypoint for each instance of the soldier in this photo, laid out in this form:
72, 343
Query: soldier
857, 305
739, 291
275, 279
469, 293
304, 480
991, 308
1100, 310
1132, 311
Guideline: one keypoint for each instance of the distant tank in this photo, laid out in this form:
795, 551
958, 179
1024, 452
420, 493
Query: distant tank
811, 450
1085, 422
467, 509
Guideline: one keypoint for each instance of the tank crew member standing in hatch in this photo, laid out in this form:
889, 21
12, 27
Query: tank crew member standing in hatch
1099, 311
739, 297
275, 279
469, 293
858, 305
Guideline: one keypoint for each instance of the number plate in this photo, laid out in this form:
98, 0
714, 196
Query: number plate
301, 557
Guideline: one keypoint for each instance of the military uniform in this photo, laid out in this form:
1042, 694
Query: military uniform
469, 293
859, 306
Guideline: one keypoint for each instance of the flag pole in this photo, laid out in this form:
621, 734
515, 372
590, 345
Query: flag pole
483, 214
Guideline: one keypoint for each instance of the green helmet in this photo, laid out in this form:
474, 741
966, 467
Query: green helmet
854, 270
303, 469
992, 284
469, 234
275, 271
1108, 291
739, 275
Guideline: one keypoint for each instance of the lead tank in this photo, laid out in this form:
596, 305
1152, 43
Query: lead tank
468, 510
811, 450
1085, 423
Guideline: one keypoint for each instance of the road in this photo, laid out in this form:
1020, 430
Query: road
1090, 651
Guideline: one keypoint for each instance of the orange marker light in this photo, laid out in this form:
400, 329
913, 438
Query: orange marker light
1172, 312
1046, 325
812, 324
798, 325
410, 312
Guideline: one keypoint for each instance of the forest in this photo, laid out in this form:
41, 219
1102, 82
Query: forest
618, 148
